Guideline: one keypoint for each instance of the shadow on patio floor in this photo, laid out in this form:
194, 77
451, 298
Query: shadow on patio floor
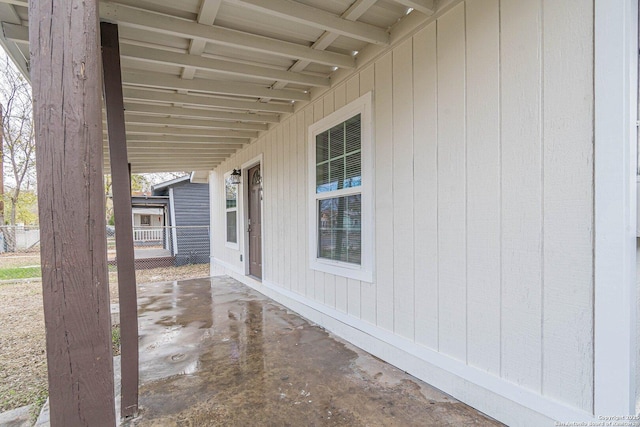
214, 352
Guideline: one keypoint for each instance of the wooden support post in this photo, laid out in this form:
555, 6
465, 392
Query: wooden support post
121, 187
65, 72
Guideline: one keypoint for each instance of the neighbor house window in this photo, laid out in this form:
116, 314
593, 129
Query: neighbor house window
340, 206
231, 212
145, 219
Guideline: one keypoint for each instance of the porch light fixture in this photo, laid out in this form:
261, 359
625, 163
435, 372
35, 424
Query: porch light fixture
234, 178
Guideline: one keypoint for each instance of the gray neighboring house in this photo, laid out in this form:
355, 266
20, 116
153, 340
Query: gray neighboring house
186, 212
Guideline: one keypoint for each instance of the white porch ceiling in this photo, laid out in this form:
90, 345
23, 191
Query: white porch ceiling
202, 78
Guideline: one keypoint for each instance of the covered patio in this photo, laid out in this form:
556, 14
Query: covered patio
475, 159
215, 352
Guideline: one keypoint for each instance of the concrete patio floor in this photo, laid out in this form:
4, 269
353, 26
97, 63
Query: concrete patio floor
215, 352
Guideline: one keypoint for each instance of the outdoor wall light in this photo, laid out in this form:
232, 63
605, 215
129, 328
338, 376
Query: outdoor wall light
234, 178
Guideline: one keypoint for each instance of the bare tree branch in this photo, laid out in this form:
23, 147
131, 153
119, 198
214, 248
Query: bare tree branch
18, 131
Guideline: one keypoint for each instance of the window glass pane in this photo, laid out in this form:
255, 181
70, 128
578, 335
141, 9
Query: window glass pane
322, 178
353, 171
232, 231
336, 172
336, 141
322, 147
338, 157
353, 134
231, 191
339, 233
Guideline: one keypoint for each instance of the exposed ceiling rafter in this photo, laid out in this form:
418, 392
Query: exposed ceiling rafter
147, 20
317, 18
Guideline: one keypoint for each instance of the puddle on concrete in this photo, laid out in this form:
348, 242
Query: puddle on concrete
214, 352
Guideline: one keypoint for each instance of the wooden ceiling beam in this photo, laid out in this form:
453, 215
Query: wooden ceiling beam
157, 56
317, 18
147, 109
355, 11
193, 123
206, 16
179, 146
150, 21
172, 139
164, 81
160, 130
140, 94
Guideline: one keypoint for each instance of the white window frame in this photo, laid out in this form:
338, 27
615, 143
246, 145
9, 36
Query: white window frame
228, 244
364, 271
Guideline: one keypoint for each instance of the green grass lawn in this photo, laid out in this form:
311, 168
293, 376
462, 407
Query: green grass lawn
19, 273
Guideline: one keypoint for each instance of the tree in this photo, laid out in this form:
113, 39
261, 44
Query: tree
18, 148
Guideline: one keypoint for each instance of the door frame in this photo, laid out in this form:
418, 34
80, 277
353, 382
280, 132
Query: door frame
258, 160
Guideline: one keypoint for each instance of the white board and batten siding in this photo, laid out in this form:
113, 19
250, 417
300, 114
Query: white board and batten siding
483, 170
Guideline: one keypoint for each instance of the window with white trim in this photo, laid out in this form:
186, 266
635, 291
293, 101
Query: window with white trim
340, 188
231, 212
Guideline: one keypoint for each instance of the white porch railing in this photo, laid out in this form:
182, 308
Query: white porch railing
147, 234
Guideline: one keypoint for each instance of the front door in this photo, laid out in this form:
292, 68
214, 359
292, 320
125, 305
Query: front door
255, 222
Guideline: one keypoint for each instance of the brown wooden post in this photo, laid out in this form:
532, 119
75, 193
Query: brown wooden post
121, 188
65, 73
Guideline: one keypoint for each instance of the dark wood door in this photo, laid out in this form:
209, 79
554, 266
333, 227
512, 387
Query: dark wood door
255, 222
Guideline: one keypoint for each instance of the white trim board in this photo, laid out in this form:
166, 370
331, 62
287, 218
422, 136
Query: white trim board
615, 75
499, 398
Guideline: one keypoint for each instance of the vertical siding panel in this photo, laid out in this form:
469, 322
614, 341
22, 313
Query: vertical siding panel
310, 282
521, 192
483, 184
452, 184
384, 191
292, 187
568, 203
353, 88
341, 293
425, 134
368, 293
318, 114
330, 290
328, 104
353, 297
303, 249
403, 289
279, 249
285, 249
340, 96
267, 204
353, 286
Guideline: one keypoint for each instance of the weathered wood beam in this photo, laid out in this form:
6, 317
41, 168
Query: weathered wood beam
140, 94
164, 81
133, 108
65, 70
158, 56
121, 186
147, 20
194, 123
317, 18
427, 7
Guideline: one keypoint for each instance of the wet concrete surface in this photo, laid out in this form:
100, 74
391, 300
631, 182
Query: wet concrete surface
214, 352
